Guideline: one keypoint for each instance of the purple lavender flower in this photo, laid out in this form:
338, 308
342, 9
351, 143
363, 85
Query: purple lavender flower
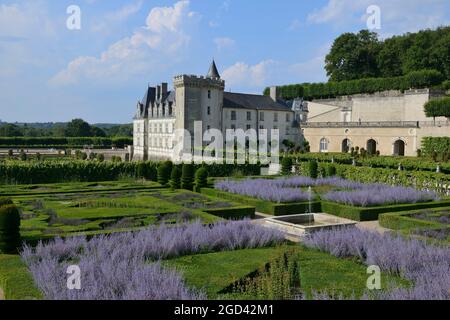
426, 266
288, 189
125, 266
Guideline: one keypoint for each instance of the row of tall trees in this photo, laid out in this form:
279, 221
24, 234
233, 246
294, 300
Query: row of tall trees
74, 128
364, 55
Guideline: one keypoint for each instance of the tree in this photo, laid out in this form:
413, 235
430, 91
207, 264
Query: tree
187, 176
78, 128
164, 172
9, 227
286, 166
353, 56
313, 169
201, 179
175, 178
97, 132
389, 58
10, 130
438, 108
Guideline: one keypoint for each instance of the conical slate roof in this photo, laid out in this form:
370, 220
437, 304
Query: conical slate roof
213, 73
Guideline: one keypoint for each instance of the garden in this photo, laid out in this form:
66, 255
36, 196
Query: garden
334, 195
185, 236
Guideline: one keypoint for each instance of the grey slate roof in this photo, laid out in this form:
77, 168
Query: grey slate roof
149, 100
213, 73
253, 101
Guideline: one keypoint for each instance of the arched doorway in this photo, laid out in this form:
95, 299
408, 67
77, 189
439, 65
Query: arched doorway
371, 147
399, 148
346, 144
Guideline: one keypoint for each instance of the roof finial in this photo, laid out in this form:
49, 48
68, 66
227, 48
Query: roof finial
213, 73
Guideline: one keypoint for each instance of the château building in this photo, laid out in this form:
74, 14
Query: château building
203, 98
391, 122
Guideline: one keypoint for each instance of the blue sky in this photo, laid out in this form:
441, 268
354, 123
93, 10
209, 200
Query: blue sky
51, 73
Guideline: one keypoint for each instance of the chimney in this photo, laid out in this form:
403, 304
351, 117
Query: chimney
163, 90
274, 93
158, 92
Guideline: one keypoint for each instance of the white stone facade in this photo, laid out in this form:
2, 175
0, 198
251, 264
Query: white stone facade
392, 123
198, 98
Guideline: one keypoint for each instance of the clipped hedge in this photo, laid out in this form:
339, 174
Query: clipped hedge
438, 145
438, 182
267, 207
234, 213
414, 80
9, 229
372, 213
53, 171
398, 221
438, 107
64, 142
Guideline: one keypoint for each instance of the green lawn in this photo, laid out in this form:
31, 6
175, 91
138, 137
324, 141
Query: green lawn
15, 279
61, 214
73, 187
318, 271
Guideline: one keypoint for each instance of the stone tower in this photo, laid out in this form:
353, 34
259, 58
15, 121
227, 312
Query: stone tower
199, 99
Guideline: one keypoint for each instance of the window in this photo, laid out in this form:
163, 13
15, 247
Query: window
323, 145
275, 117
233, 127
288, 117
249, 116
209, 111
261, 116
249, 127
287, 131
261, 127
209, 94
233, 115
208, 128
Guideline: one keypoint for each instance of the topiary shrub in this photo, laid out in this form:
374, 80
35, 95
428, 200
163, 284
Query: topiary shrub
201, 179
175, 178
187, 176
286, 166
164, 172
5, 201
331, 170
313, 171
9, 229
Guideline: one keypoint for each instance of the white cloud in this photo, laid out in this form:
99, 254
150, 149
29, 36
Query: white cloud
224, 43
294, 25
396, 16
243, 75
111, 19
164, 34
24, 20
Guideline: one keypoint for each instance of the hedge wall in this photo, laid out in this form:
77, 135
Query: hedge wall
32, 172
267, 207
234, 213
69, 142
440, 145
384, 162
438, 182
372, 213
398, 221
413, 80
